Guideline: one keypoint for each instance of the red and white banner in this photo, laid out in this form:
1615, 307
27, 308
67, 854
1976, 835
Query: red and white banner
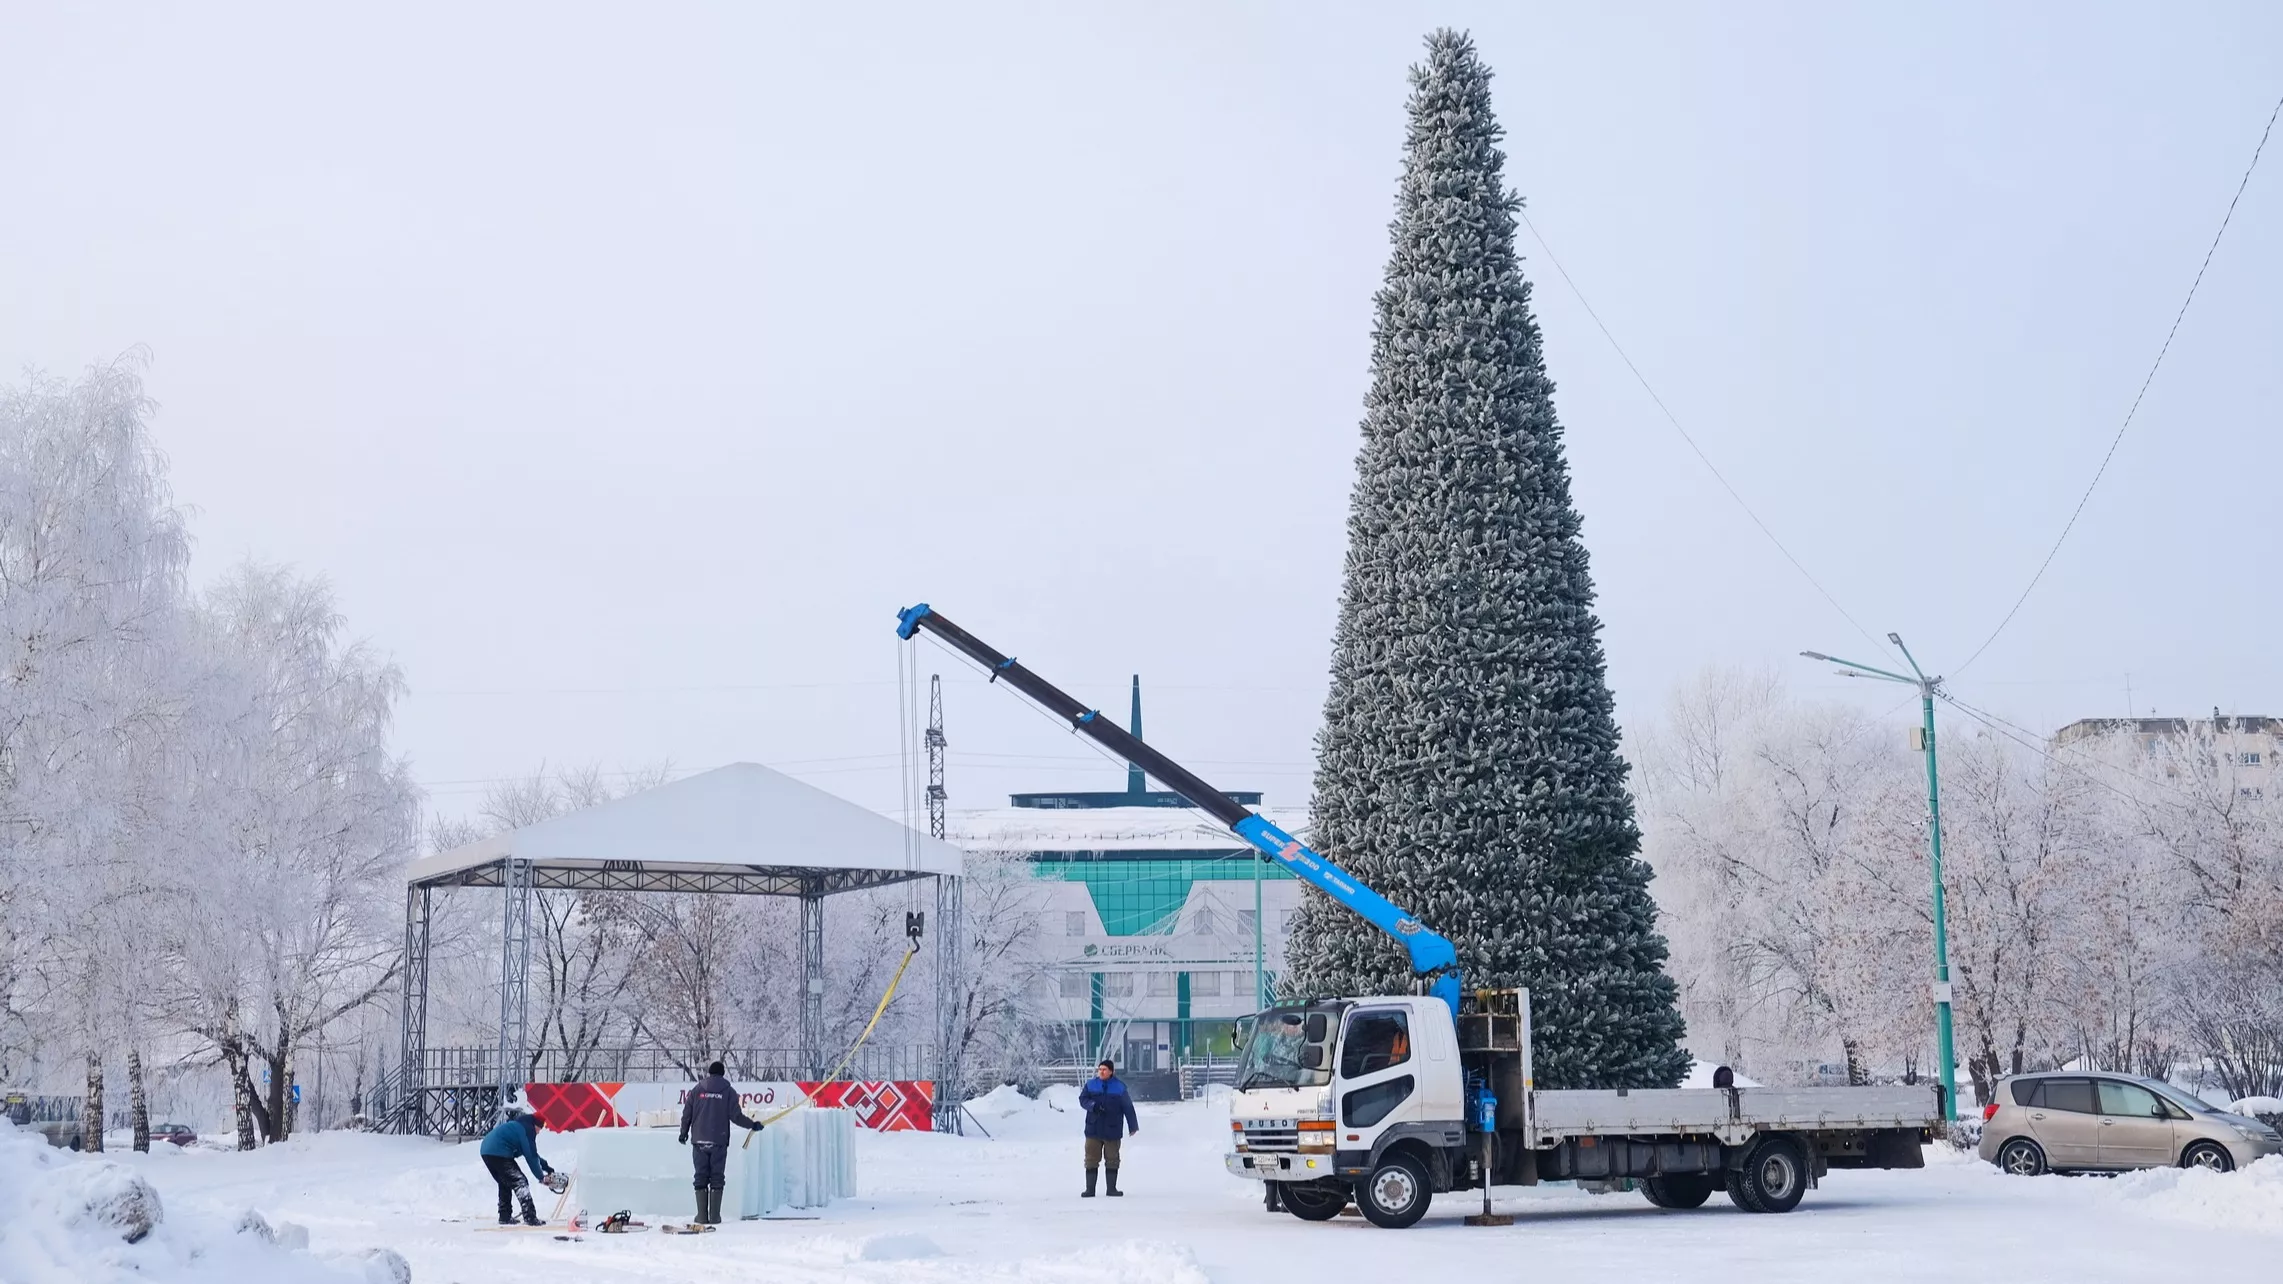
883, 1105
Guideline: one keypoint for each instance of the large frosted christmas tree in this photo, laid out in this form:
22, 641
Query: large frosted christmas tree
1468, 764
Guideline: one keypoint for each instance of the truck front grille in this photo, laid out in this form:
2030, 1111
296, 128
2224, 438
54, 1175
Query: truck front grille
1272, 1140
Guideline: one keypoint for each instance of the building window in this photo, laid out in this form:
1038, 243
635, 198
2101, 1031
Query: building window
1240, 983
1073, 985
1247, 921
2250, 760
1074, 923
1204, 985
1117, 985
1161, 985
2250, 791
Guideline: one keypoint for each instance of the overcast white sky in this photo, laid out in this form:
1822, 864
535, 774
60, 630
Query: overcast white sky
627, 367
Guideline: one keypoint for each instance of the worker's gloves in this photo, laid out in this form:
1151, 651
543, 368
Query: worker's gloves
682, 1139
558, 1181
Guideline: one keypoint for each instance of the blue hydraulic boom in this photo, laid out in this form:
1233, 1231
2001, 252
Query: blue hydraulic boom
1434, 961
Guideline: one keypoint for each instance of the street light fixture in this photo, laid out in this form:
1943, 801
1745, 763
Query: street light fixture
1928, 688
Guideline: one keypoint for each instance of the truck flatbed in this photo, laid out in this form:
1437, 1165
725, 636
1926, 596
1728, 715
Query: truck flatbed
1732, 1115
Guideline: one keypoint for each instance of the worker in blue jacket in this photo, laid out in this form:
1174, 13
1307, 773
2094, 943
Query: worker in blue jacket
1109, 1118
514, 1137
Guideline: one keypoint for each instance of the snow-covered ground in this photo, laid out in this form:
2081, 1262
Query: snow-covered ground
1005, 1210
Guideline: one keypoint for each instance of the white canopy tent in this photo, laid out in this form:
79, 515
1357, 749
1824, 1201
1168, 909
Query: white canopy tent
742, 829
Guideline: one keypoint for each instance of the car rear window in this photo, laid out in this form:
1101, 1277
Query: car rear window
2068, 1094
2025, 1091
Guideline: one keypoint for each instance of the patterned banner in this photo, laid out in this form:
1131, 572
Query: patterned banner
883, 1105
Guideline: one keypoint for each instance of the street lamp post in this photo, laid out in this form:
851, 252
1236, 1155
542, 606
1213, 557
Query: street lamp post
1927, 689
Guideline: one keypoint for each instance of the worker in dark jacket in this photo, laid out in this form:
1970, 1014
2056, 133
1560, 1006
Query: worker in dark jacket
1109, 1118
516, 1136
707, 1112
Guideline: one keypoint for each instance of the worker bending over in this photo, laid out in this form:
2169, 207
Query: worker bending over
513, 1137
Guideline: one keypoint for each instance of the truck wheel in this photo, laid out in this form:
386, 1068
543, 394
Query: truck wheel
1678, 1190
1774, 1175
1739, 1193
1396, 1193
1312, 1203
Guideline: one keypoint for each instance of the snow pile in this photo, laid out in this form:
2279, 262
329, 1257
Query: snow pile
2266, 1109
1005, 1112
71, 1219
896, 1248
1128, 1262
2251, 1199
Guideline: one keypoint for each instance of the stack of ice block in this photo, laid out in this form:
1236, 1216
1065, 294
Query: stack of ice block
805, 1160
645, 1171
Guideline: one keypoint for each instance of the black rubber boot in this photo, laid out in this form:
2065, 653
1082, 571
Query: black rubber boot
1088, 1193
1113, 1190
506, 1207
530, 1214
713, 1208
700, 1219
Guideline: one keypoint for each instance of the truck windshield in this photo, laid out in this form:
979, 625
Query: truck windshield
1277, 1054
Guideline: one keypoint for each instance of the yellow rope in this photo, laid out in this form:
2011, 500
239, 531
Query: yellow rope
809, 1098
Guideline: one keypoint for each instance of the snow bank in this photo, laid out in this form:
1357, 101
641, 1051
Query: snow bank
70, 1219
2258, 1107
2251, 1199
1700, 1076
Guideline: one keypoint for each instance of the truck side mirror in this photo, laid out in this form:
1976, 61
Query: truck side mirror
1312, 1057
1318, 1026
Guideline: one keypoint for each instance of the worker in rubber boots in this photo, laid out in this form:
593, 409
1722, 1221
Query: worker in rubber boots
1109, 1118
707, 1112
512, 1138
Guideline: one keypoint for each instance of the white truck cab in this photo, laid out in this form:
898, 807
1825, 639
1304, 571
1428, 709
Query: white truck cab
1325, 1087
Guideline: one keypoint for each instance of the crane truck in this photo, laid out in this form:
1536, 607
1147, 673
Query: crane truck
1385, 1101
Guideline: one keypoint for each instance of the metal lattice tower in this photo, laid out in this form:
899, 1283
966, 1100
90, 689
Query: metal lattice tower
412, 1063
935, 747
514, 975
949, 993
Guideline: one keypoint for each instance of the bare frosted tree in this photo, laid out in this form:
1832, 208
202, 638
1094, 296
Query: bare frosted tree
304, 820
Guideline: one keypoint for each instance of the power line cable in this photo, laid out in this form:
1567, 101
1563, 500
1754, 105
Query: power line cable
1674, 420
2130, 413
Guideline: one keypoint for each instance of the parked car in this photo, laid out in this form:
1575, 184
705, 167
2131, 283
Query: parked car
2075, 1121
178, 1134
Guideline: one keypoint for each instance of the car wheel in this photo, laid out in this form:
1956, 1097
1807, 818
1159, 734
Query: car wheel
2210, 1155
1774, 1175
1678, 1190
2022, 1158
1312, 1203
1396, 1193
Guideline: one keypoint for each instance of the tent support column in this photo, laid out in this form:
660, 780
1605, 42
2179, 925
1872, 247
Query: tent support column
949, 1003
514, 975
412, 1067
812, 979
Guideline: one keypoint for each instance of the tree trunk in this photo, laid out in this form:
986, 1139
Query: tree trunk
91, 1115
289, 1110
138, 1105
242, 1105
1856, 1075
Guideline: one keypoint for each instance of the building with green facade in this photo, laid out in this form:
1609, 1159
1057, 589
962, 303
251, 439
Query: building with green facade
1147, 929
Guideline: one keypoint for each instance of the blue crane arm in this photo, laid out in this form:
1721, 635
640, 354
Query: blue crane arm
1434, 960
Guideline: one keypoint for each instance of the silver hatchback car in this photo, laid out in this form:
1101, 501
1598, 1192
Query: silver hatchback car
2078, 1121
